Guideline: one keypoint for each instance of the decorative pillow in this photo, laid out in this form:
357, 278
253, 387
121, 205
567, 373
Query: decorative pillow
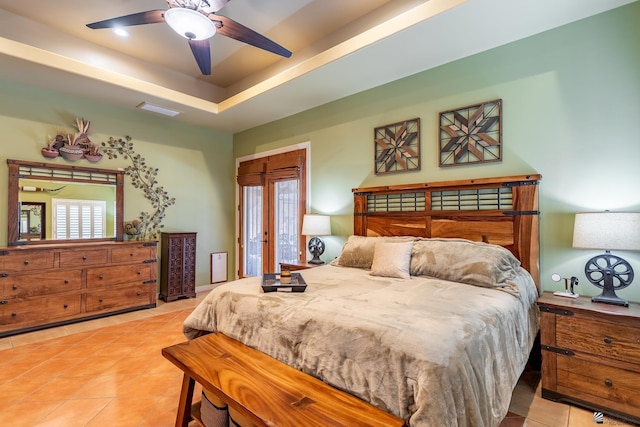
357, 251
392, 259
464, 261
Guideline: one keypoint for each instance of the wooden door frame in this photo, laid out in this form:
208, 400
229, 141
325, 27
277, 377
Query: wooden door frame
305, 202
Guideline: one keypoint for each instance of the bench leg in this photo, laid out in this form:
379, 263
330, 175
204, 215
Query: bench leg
184, 406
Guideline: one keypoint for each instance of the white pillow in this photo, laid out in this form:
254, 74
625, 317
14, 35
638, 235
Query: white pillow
392, 259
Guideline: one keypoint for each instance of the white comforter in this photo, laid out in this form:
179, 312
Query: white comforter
433, 352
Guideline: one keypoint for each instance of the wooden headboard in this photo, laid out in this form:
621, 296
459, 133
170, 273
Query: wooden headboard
502, 211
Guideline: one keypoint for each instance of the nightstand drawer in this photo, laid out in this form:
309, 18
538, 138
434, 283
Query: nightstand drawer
601, 338
600, 381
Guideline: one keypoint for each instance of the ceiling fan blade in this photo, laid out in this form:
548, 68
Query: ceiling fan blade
230, 28
148, 17
202, 54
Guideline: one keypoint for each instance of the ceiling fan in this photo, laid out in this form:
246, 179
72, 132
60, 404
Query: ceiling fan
197, 21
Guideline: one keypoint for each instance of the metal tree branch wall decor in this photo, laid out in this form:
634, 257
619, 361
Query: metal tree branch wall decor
143, 177
471, 134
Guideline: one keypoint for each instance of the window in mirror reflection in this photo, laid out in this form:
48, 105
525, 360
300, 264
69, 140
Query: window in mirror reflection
87, 211
79, 219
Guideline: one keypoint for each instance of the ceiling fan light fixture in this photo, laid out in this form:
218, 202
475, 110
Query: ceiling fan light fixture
189, 23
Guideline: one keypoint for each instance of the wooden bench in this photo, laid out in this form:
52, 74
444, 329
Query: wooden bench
263, 390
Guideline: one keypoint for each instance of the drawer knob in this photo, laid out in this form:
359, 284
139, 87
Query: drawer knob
3, 302
139, 273
608, 340
14, 314
101, 277
66, 305
26, 262
66, 282
100, 300
84, 257
14, 287
608, 383
138, 293
131, 254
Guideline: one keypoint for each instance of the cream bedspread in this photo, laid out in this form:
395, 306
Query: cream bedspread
434, 352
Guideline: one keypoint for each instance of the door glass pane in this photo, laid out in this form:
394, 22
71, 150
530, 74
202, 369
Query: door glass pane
286, 221
252, 231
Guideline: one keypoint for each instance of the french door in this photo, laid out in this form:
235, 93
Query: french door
272, 203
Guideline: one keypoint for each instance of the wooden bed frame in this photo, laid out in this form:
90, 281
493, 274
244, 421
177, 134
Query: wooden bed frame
501, 211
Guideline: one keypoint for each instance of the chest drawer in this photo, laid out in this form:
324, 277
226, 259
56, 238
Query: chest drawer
119, 298
23, 313
35, 284
26, 261
600, 381
133, 253
119, 274
83, 258
598, 337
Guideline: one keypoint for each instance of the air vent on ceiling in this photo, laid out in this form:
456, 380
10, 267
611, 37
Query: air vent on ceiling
157, 109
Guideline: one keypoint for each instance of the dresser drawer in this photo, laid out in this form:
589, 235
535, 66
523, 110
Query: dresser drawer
599, 337
120, 298
26, 261
35, 284
118, 274
600, 381
83, 258
133, 253
34, 311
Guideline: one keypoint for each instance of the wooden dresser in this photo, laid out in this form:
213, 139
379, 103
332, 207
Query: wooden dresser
591, 354
50, 285
178, 266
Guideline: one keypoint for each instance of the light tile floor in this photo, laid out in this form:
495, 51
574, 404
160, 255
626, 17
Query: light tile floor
110, 372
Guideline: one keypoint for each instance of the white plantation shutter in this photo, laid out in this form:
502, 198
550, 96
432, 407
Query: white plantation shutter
79, 219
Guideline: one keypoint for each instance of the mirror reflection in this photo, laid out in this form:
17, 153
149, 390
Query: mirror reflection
66, 210
33, 220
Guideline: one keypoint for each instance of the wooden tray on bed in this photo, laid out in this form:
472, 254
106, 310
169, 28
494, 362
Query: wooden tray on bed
271, 283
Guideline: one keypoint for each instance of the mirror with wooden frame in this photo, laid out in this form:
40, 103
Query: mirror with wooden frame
33, 221
74, 203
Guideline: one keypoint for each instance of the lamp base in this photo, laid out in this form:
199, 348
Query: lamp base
316, 260
610, 299
601, 270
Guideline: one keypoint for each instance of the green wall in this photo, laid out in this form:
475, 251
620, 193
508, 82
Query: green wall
571, 108
195, 164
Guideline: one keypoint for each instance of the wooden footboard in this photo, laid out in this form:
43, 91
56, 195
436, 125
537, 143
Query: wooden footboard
263, 390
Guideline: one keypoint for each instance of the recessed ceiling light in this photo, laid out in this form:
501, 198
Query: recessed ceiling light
121, 32
157, 109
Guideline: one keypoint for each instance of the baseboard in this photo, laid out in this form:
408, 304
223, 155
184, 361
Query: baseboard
205, 288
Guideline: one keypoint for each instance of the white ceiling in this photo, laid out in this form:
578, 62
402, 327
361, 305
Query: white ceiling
339, 48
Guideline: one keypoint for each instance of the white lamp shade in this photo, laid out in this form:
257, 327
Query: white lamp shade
607, 230
316, 225
189, 23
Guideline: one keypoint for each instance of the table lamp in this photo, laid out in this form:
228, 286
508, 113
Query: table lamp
316, 225
608, 230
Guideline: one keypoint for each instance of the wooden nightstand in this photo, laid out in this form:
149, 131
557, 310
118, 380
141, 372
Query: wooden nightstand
298, 265
591, 354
